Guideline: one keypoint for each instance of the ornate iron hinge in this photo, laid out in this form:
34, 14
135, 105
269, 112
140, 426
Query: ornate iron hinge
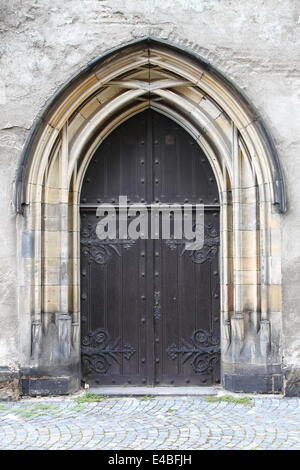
98, 349
203, 349
207, 252
101, 251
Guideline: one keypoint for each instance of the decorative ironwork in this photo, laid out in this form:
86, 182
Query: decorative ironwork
203, 349
157, 306
98, 348
100, 251
207, 252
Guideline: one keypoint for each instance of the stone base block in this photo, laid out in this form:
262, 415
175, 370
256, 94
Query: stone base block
250, 378
9, 384
43, 386
253, 384
55, 380
292, 382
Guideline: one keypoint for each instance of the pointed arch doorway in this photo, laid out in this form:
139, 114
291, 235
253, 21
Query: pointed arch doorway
121, 84
150, 310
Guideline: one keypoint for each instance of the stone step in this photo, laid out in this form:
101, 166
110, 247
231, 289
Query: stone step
154, 391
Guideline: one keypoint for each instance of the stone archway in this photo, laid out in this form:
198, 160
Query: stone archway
180, 85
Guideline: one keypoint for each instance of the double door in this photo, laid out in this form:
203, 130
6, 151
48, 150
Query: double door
149, 307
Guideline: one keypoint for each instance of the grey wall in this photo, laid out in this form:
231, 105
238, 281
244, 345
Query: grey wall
256, 43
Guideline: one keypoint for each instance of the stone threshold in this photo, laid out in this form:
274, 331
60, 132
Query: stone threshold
153, 391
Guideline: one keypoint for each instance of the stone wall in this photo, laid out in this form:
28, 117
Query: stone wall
43, 43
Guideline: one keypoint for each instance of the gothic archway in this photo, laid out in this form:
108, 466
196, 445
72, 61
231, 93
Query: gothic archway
180, 85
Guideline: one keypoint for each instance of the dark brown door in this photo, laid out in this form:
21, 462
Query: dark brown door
150, 310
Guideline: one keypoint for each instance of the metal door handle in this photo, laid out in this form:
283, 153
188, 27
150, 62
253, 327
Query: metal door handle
157, 305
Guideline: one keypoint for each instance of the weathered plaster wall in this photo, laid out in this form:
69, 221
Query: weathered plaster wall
256, 43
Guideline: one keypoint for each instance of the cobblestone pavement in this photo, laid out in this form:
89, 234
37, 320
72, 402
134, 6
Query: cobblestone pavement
150, 423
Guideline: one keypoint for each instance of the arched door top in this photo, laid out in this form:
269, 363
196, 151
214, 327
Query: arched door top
158, 74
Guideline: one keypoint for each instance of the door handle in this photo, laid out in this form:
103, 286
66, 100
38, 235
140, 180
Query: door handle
157, 305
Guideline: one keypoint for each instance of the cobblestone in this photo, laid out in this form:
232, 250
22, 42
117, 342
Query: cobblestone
160, 423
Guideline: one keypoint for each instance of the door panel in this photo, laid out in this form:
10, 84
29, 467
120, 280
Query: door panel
119, 166
149, 308
188, 325
113, 317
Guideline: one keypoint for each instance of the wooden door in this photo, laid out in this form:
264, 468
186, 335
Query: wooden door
150, 310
